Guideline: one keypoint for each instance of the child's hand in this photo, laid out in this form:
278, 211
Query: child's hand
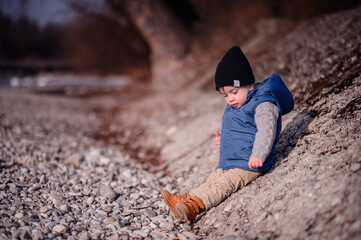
217, 140
255, 162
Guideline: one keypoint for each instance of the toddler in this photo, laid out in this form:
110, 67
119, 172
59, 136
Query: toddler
251, 126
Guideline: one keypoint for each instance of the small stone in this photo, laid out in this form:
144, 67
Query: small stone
24, 235
141, 233
158, 235
103, 161
355, 167
75, 159
189, 234
181, 236
94, 236
127, 174
169, 187
36, 234
159, 174
150, 213
101, 212
13, 188
229, 237
261, 217
353, 59
172, 235
19, 215
107, 192
90, 200
42, 179
65, 208
152, 225
218, 225
228, 208
344, 134
84, 236
166, 226
336, 201
186, 227
78, 228
14, 234
60, 228
110, 220
34, 188
44, 209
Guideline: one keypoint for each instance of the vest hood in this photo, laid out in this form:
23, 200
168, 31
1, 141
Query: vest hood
277, 89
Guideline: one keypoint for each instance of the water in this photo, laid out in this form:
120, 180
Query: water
69, 83
4, 82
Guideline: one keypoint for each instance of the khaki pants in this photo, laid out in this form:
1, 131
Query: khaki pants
222, 183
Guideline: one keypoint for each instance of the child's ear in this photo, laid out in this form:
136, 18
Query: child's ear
251, 87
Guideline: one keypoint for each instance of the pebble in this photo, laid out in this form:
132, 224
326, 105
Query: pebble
150, 213
141, 233
228, 208
127, 174
110, 220
107, 192
190, 234
59, 228
84, 236
44, 209
166, 226
355, 167
90, 200
34, 188
36, 234
65, 208
78, 228
185, 226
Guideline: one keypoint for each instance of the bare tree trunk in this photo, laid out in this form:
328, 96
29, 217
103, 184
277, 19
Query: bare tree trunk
166, 36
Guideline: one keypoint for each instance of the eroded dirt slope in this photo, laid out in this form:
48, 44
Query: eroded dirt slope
313, 191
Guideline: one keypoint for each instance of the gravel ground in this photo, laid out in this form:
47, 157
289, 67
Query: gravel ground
79, 168
57, 182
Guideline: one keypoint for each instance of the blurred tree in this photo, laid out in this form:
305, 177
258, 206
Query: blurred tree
99, 42
168, 37
23, 39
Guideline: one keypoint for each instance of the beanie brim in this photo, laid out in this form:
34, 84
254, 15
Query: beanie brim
234, 70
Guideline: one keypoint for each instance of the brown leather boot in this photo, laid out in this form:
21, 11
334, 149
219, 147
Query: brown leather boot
189, 208
172, 200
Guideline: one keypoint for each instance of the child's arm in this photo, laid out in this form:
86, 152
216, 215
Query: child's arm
266, 121
217, 140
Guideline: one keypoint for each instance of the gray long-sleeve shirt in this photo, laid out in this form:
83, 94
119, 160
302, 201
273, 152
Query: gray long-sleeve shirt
266, 121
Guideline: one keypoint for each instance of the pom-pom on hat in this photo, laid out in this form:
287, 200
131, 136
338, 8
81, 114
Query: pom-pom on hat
233, 70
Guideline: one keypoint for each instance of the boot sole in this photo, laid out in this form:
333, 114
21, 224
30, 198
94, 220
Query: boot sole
183, 213
174, 211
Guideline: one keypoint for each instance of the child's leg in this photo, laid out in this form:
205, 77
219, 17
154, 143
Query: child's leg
172, 200
204, 187
223, 185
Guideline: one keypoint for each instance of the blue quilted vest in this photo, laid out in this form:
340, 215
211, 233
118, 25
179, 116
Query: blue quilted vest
239, 127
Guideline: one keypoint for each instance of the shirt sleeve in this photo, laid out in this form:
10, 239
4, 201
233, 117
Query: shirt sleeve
266, 117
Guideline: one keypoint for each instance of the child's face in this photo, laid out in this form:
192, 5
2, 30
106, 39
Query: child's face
236, 96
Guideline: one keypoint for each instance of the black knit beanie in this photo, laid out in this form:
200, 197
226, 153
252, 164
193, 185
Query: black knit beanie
234, 70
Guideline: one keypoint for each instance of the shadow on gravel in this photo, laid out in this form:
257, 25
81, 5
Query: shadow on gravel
294, 131
128, 138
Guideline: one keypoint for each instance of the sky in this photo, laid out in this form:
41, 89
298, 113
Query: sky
41, 11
